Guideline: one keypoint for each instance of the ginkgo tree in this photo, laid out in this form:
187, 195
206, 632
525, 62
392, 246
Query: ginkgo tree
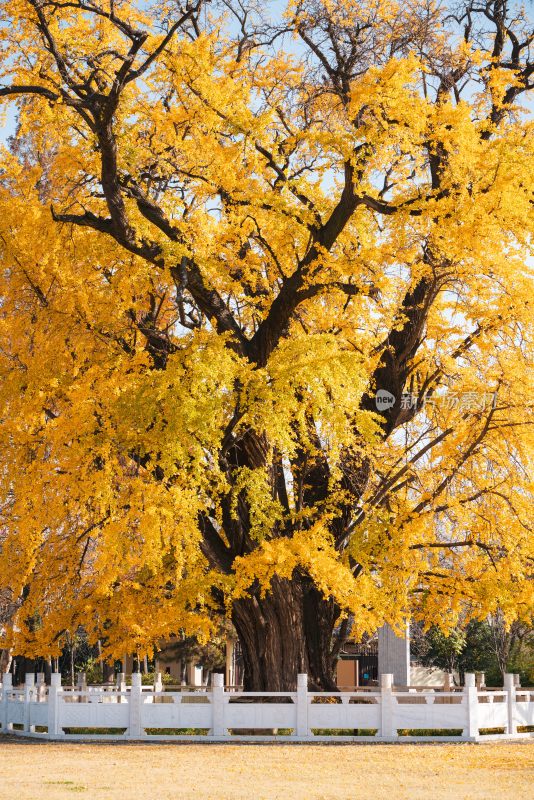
265, 322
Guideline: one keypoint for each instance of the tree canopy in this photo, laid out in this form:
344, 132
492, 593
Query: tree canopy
265, 321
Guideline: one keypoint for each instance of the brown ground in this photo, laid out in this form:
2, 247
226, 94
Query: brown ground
47, 771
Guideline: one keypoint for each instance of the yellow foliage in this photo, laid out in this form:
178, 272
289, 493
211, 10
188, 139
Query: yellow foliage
246, 247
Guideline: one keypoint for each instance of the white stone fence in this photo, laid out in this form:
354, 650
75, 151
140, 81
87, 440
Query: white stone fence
215, 714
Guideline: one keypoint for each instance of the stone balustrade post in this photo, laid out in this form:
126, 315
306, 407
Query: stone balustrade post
302, 728
81, 686
40, 687
135, 700
29, 691
7, 686
387, 702
54, 694
448, 686
510, 687
217, 704
121, 686
471, 705
157, 688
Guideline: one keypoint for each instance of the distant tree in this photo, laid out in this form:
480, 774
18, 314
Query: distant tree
187, 649
77, 655
436, 649
512, 647
480, 646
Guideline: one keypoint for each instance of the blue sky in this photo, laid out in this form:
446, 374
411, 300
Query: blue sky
8, 126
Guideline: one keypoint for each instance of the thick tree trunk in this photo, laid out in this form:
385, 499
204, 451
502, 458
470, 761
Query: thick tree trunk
23, 666
5, 660
286, 632
320, 618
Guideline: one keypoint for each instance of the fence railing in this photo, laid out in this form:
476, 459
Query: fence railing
385, 713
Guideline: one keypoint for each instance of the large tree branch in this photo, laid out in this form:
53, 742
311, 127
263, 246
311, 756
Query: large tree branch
214, 549
399, 348
294, 289
52, 96
6, 91
146, 250
52, 47
121, 24
187, 275
187, 15
287, 182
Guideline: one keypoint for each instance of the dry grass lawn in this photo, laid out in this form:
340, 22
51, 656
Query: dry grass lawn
47, 771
